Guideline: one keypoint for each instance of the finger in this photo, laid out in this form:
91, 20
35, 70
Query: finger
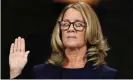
15, 45
22, 45
26, 54
11, 48
19, 44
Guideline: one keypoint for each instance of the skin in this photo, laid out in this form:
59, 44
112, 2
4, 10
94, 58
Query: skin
74, 41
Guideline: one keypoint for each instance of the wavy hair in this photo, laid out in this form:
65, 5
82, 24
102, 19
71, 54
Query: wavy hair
96, 44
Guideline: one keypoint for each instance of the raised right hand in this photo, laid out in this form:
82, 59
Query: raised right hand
17, 57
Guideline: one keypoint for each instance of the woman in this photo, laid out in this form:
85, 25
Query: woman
78, 48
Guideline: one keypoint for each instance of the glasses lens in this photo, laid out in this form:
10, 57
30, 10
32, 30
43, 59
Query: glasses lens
79, 25
64, 25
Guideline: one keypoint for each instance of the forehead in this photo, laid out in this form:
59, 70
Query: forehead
72, 15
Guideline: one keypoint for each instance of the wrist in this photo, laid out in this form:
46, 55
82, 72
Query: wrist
14, 73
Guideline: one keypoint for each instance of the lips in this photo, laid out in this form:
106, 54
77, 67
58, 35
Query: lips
71, 37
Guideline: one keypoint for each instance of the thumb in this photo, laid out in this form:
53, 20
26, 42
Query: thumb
26, 53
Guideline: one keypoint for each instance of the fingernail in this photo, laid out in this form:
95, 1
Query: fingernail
19, 37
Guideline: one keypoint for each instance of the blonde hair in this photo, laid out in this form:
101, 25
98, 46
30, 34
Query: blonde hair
97, 45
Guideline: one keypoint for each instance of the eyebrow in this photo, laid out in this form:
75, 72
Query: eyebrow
77, 20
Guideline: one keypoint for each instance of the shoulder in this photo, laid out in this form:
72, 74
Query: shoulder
42, 66
44, 70
107, 71
45, 67
106, 68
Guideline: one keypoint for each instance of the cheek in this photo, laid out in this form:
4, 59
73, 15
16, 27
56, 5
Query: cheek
81, 37
63, 36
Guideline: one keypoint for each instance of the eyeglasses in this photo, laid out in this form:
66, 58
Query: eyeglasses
78, 25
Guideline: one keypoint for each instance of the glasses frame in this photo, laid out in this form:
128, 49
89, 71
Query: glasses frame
59, 22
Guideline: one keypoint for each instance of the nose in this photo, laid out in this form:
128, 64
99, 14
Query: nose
71, 28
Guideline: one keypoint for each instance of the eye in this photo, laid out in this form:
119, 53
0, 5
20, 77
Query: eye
79, 24
65, 24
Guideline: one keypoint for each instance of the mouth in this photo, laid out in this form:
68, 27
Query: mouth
74, 37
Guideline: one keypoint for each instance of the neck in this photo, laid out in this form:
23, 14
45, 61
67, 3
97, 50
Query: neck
75, 58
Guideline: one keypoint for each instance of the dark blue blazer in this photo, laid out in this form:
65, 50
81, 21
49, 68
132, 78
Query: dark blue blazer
50, 71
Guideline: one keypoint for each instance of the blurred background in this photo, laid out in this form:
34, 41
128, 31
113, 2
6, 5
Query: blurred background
34, 20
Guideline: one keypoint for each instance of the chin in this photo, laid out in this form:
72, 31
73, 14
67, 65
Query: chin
71, 45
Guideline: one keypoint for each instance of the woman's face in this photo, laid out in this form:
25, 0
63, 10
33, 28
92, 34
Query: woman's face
71, 37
